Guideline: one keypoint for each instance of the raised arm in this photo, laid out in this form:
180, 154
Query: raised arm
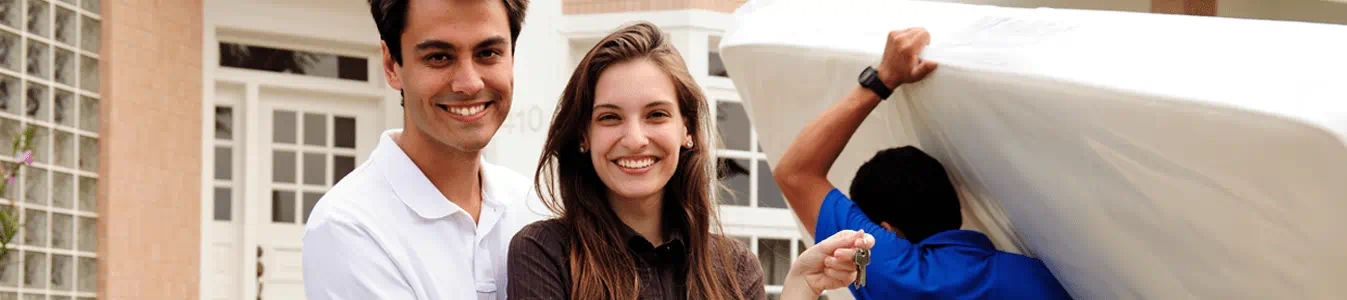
802, 172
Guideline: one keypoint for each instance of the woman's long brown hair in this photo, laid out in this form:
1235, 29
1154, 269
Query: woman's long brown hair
600, 266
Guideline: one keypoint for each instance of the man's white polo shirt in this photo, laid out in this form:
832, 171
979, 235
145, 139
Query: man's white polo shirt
384, 232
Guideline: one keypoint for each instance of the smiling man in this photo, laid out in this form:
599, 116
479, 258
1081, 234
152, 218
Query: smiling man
426, 217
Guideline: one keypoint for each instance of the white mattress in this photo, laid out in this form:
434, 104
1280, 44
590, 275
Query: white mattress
1138, 155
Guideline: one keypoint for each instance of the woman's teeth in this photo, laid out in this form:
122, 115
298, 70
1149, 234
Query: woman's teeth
465, 110
636, 163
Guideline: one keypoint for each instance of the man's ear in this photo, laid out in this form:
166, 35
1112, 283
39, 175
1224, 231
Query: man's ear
392, 69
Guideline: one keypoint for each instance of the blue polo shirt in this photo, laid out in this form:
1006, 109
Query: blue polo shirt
955, 264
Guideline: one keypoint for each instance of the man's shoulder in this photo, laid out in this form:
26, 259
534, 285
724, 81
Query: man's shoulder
361, 195
1028, 277
508, 183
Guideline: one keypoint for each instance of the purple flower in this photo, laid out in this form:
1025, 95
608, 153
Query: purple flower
27, 157
11, 180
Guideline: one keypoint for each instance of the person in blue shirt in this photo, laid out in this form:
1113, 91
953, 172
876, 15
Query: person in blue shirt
904, 198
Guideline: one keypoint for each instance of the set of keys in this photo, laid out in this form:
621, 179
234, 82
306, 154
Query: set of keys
862, 258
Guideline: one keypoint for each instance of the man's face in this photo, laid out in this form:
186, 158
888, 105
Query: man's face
457, 71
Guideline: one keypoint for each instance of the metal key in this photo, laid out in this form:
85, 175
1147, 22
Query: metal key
862, 258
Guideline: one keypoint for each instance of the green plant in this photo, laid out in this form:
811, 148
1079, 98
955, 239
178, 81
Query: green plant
9, 214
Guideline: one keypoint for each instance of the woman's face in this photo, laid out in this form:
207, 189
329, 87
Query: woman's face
636, 129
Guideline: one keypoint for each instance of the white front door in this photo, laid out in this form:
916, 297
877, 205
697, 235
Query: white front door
311, 141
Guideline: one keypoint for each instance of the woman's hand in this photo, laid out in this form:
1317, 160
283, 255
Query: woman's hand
827, 265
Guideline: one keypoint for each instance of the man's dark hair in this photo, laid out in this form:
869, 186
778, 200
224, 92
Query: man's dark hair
391, 18
908, 189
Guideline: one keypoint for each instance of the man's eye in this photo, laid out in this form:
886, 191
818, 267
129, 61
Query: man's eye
438, 59
488, 54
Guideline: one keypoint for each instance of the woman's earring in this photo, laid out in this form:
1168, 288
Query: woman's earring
689, 144
582, 148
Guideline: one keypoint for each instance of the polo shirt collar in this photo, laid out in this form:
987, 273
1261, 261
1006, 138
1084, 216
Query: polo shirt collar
413, 187
965, 238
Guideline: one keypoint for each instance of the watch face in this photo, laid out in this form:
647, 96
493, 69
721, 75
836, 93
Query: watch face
867, 74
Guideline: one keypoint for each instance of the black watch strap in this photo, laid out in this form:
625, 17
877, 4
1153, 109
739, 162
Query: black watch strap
870, 80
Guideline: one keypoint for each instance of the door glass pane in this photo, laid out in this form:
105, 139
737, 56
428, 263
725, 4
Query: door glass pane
63, 231
315, 129
283, 166
734, 175
774, 255
223, 204
283, 127
282, 206
278, 60
733, 124
310, 200
769, 195
224, 163
344, 130
224, 123
315, 168
341, 165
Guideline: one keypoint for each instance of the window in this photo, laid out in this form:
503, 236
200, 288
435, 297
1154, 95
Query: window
225, 181
49, 81
741, 165
307, 158
714, 66
269, 59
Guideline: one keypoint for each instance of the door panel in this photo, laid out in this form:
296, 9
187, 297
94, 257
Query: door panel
311, 141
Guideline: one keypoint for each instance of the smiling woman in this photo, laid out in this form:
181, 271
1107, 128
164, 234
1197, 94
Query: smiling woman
627, 168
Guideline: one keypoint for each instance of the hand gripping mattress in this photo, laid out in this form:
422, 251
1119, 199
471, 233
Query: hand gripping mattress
1140, 156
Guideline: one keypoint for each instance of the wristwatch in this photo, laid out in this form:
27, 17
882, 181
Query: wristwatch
870, 80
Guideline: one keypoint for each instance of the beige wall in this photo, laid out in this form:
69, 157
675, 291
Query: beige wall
149, 196
575, 7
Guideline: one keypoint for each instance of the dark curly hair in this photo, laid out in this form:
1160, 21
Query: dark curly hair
908, 189
390, 16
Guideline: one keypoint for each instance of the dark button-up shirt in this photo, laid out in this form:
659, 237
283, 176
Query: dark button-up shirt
539, 264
